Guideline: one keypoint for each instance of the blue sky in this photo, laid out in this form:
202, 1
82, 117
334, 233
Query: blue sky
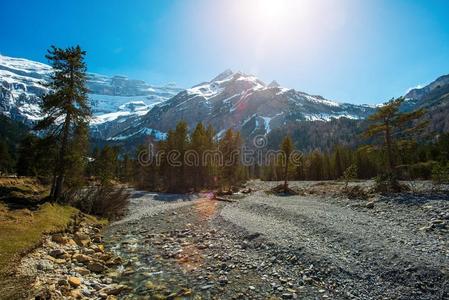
349, 50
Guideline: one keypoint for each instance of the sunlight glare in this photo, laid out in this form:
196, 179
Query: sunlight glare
270, 10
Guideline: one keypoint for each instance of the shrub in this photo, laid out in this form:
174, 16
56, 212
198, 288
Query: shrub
440, 174
349, 174
104, 201
388, 183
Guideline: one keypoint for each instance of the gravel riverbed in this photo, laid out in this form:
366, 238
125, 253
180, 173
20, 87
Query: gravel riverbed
318, 244
312, 246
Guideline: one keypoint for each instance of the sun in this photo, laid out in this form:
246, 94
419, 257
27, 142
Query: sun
270, 10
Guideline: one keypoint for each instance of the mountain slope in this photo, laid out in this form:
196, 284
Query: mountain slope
113, 99
435, 99
243, 102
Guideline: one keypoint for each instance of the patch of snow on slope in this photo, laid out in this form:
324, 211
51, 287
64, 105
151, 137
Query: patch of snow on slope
322, 101
328, 117
267, 121
257, 84
24, 65
158, 135
206, 91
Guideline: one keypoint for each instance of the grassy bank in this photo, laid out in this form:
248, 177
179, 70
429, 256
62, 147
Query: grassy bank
24, 220
22, 229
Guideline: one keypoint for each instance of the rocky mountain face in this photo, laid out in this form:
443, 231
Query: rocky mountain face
242, 102
113, 99
126, 111
434, 98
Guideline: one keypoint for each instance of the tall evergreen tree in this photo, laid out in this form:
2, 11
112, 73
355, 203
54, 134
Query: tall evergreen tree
199, 146
393, 124
287, 149
229, 147
66, 106
6, 161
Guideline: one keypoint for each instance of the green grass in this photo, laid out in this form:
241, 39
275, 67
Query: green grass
21, 230
26, 190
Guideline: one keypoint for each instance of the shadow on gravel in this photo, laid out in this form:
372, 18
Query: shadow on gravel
163, 196
414, 199
174, 197
138, 194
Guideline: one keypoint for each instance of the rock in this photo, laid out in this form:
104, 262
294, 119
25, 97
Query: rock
185, 292
89, 251
56, 253
82, 258
223, 279
439, 223
60, 261
307, 279
82, 271
63, 282
114, 261
44, 265
74, 281
71, 242
206, 287
59, 238
113, 289
426, 228
82, 239
96, 267
287, 296
76, 293
370, 205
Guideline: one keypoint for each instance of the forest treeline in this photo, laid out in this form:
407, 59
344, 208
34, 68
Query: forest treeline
391, 147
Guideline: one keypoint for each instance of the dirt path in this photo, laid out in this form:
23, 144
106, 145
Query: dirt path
284, 247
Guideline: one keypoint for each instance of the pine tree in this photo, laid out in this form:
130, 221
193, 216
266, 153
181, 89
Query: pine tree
229, 147
107, 164
77, 157
287, 149
338, 163
67, 102
392, 124
6, 161
199, 143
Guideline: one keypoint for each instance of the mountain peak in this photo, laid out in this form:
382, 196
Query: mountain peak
273, 84
223, 75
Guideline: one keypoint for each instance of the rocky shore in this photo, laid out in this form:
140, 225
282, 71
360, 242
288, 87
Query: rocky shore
72, 265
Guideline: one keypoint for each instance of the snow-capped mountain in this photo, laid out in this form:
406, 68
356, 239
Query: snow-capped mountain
434, 98
113, 99
243, 102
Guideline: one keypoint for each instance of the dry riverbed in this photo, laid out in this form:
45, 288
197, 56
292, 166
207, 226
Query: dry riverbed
315, 245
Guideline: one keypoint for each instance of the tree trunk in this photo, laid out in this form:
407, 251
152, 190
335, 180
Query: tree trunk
286, 174
389, 147
61, 162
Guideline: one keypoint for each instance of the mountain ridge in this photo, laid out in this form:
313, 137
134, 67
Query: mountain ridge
133, 109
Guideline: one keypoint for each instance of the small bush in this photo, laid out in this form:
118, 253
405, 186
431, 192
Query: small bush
440, 173
388, 183
355, 192
281, 190
104, 201
350, 174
